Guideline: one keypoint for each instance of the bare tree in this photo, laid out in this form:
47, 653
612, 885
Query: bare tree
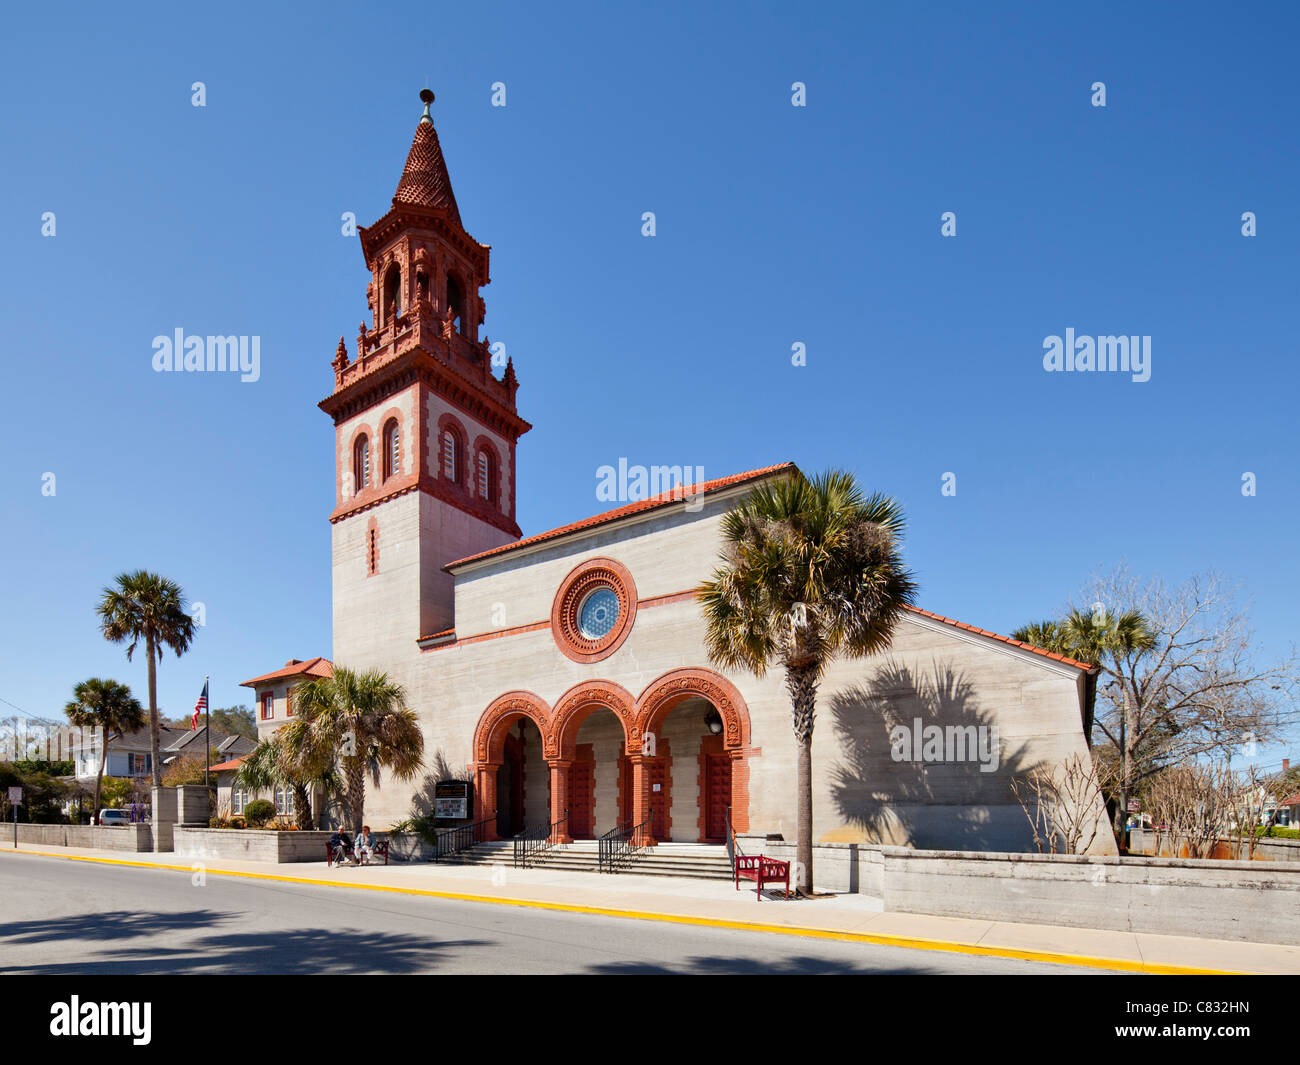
1194, 803
1062, 804
1248, 798
1196, 690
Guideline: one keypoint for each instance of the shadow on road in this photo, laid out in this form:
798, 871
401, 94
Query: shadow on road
288, 951
740, 966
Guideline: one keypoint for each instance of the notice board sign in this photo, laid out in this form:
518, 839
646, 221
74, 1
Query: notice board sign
451, 799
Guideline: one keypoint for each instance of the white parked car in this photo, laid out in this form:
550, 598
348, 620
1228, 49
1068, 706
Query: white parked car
114, 817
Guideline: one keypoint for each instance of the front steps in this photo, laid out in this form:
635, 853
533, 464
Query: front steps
698, 861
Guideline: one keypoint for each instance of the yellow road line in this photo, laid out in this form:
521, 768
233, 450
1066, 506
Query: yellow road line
908, 942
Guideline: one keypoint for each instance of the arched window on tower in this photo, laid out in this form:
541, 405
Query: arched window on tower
486, 476
456, 301
392, 294
392, 449
451, 455
361, 463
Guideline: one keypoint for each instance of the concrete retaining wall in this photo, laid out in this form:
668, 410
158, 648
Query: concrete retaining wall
134, 838
1142, 841
269, 845
1254, 901
250, 844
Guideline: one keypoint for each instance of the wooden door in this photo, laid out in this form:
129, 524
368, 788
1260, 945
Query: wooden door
717, 796
660, 801
582, 794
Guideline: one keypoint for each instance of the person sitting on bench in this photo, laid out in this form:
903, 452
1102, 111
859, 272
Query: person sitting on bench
340, 847
364, 848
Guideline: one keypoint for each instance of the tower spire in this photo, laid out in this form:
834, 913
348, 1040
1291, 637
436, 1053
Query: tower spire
425, 181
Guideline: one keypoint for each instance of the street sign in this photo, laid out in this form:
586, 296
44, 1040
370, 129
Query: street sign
15, 794
1134, 806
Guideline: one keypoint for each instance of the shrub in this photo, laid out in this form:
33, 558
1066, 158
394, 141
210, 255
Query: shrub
258, 812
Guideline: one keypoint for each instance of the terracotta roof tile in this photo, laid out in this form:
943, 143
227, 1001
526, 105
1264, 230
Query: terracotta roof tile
662, 499
425, 180
222, 767
312, 667
1086, 666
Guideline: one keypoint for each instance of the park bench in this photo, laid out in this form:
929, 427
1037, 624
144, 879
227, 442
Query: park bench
762, 871
380, 847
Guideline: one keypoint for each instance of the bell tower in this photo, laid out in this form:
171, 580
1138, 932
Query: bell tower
425, 431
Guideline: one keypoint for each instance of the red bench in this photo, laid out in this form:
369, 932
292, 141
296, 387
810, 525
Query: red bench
762, 871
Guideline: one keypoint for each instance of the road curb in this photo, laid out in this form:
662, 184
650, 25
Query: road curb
908, 942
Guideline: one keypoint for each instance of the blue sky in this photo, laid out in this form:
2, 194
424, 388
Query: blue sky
775, 225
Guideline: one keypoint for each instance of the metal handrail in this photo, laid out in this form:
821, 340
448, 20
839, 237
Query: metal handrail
451, 840
619, 846
531, 842
733, 848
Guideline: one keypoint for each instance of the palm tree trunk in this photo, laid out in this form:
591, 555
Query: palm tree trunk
354, 770
301, 806
154, 739
801, 683
99, 779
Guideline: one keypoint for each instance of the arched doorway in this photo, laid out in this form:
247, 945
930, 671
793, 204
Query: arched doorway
511, 757
692, 728
523, 785
590, 723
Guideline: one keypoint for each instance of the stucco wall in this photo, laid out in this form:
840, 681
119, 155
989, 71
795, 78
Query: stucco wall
934, 671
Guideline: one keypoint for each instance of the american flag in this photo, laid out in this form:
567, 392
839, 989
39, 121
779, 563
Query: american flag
199, 707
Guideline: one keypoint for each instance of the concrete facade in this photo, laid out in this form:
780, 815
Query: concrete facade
478, 641
935, 671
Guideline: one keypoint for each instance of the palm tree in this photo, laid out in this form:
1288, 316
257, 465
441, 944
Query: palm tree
270, 765
1105, 639
360, 722
145, 606
811, 567
110, 707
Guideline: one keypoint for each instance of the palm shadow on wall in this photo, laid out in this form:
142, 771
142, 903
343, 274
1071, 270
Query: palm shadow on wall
439, 769
878, 794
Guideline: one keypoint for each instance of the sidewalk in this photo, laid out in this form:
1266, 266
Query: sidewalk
845, 917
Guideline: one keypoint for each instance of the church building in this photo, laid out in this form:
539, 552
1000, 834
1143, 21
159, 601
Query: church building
564, 674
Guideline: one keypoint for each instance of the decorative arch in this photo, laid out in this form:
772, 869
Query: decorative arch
490, 737
662, 695
392, 292
575, 706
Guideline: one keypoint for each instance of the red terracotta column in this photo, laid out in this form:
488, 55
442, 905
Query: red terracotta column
739, 791
485, 796
641, 794
560, 796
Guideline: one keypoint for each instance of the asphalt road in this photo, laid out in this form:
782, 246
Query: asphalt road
58, 916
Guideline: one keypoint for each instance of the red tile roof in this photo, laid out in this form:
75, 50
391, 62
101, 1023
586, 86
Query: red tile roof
425, 181
312, 667
222, 767
662, 499
1087, 666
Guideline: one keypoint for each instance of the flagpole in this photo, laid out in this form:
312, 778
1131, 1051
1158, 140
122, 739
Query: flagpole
207, 733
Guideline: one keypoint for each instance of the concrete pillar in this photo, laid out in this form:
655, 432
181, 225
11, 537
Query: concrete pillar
560, 796
164, 819
193, 801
